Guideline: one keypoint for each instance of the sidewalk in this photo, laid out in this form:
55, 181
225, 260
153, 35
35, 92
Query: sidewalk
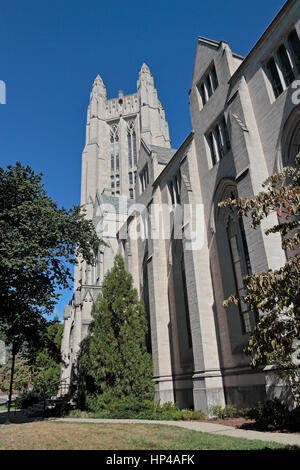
281, 438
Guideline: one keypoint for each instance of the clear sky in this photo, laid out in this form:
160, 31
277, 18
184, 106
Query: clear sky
51, 51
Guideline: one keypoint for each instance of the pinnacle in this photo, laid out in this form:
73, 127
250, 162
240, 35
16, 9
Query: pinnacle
145, 68
98, 81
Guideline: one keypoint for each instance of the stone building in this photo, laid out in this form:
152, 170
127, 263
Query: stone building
158, 207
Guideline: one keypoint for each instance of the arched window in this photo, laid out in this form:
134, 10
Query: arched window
241, 266
294, 145
290, 148
131, 143
114, 148
232, 265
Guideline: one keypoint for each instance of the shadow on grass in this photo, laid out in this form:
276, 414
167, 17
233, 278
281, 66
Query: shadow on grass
18, 417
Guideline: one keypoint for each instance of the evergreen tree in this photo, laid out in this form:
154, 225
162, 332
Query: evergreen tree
113, 361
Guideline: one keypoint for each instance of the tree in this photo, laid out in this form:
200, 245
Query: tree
22, 375
38, 242
45, 369
113, 362
276, 293
38, 371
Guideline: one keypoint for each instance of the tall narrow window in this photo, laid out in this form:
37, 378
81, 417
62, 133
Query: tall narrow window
117, 181
210, 141
201, 90
208, 86
186, 302
131, 193
134, 148
112, 153
144, 177
171, 189
117, 153
130, 177
286, 67
129, 150
112, 181
294, 44
274, 77
225, 134
131, 144
114, 148
214, 77
177, 186
219, 141
240, 270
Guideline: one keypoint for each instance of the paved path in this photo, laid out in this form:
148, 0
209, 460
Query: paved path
281, 438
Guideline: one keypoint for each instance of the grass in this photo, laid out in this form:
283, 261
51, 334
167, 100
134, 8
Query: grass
45, 435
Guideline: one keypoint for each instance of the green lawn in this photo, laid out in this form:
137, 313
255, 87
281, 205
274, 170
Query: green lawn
82, 436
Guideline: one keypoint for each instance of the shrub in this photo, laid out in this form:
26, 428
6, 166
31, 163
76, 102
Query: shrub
273, 415
189, 415
294, 419
27, 399
229, 411
132, 407
216, 410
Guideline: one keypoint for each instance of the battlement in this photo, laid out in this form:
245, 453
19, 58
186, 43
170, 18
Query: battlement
122, 105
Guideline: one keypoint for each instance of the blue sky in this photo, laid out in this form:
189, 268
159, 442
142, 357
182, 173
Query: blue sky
51, 51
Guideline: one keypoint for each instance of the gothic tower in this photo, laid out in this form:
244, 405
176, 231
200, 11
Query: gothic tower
114, 131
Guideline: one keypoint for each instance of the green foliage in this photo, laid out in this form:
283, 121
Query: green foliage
38, 241
134, 408
46, 366
229, 411
39, 371
22, 375
273, 415
189, 415
26, 399
113, 362
275, 294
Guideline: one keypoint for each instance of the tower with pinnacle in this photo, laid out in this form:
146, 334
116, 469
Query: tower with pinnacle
114, 130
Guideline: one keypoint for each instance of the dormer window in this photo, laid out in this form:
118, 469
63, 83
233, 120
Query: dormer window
286, 67
144, 177
218, 141
284, 64
274, 76
294, 44
214, 77
175, 188
208, 85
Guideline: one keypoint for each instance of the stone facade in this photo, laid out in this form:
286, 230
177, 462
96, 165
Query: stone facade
185, 254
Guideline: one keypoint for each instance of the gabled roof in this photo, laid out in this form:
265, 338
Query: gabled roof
276, 20
164, 155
